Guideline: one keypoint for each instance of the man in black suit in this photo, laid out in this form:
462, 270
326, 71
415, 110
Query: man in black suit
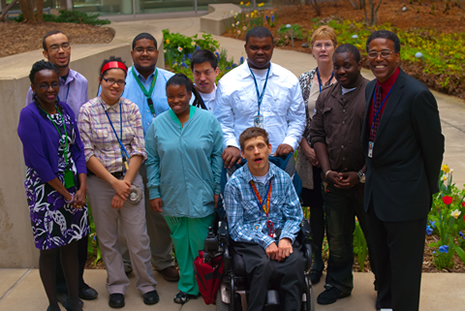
403, 146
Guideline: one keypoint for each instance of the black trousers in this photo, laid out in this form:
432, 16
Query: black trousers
261, 270
82, 258
398, 250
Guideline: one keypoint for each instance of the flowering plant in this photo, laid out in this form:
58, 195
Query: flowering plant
446, 211
179, 49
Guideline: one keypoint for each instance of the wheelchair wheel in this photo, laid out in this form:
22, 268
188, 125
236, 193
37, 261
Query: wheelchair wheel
220, 305
309, 303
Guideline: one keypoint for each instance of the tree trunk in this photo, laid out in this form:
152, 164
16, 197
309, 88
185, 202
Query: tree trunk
354, 4
27, 9
6, 9
40, 9
375, 17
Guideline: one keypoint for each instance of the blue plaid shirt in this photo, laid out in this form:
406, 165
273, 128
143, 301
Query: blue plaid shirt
247, 220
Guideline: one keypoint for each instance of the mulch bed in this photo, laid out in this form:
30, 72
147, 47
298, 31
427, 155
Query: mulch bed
20, 37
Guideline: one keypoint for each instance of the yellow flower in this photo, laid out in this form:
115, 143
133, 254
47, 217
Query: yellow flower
167, 41
247, 4
242, 3
252, 15
261, 4
444, 177
234, 25
445, 168
455, 213
255, 11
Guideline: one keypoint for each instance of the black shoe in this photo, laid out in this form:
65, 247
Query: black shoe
62, 297
183, 297
330, 295
315, 276
116, 301
151, 298
87, 293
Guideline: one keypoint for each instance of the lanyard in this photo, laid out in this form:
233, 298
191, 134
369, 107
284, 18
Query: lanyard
124, 153
260, 96
67, 93
59, 132
265, 205
319, 79
381, 106
149, 93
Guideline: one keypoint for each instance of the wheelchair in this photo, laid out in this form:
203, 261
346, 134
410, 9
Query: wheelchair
233, 291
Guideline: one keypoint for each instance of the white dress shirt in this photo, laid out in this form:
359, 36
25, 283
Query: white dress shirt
282, 107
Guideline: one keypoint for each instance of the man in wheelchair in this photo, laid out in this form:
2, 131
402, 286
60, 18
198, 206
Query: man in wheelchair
264, 216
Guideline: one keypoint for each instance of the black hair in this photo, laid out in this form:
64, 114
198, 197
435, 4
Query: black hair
385, 34
144, 35
258, 32
348, 48
41, 65
48, 34
112, 59
183, 80
202, 56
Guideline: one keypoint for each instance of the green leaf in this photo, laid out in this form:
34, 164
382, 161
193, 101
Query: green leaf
460, 252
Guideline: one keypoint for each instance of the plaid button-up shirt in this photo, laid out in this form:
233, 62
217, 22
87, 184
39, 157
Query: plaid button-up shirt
99, 138
247, 221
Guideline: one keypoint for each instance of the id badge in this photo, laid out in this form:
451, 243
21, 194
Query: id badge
258, 121
257, 227
69, 179
370, 149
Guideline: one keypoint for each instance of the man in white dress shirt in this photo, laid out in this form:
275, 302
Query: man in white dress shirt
204, 66
262, 94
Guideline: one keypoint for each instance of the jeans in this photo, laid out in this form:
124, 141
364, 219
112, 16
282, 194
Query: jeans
341, 207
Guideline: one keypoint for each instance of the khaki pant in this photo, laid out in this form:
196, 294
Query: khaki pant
131, 218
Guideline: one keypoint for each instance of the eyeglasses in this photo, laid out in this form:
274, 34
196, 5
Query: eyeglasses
45, 86
55, 47
383, 53
147, 50
112, 81
319, 46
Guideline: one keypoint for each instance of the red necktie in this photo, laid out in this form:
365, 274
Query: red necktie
375, 125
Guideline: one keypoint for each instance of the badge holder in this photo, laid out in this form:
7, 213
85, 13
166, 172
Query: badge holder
69, 179
370, 149
259, 121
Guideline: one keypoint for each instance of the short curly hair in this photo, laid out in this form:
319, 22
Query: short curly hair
39, 66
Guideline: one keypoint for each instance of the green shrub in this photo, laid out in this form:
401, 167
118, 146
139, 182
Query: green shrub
75, 17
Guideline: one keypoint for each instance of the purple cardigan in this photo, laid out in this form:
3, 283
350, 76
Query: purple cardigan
41, 141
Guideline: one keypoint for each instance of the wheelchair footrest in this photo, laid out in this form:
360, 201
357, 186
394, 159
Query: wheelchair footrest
272, 301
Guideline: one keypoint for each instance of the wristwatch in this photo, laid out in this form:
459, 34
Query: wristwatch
361, 176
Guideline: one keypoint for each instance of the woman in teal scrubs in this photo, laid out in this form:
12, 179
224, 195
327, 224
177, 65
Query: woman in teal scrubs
184, 147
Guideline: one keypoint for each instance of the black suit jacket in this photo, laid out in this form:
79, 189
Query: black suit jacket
403, 173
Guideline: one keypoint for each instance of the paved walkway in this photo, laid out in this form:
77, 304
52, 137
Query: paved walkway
21, 289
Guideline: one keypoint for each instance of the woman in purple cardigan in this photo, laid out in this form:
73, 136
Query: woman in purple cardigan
55, 181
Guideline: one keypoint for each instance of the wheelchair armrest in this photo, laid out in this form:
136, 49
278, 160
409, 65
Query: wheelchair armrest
304, 239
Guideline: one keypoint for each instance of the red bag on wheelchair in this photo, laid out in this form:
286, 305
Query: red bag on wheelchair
209, 272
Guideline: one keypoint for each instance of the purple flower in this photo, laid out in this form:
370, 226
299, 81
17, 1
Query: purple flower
183, 64
444, 249
272, 18
217, 55
189, 56
429, 230
241, 60
266, 17
197, 47
461, 234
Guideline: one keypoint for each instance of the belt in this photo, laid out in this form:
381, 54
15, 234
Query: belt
117, 175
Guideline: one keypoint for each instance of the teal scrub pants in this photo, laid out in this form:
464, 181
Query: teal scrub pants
188, 236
